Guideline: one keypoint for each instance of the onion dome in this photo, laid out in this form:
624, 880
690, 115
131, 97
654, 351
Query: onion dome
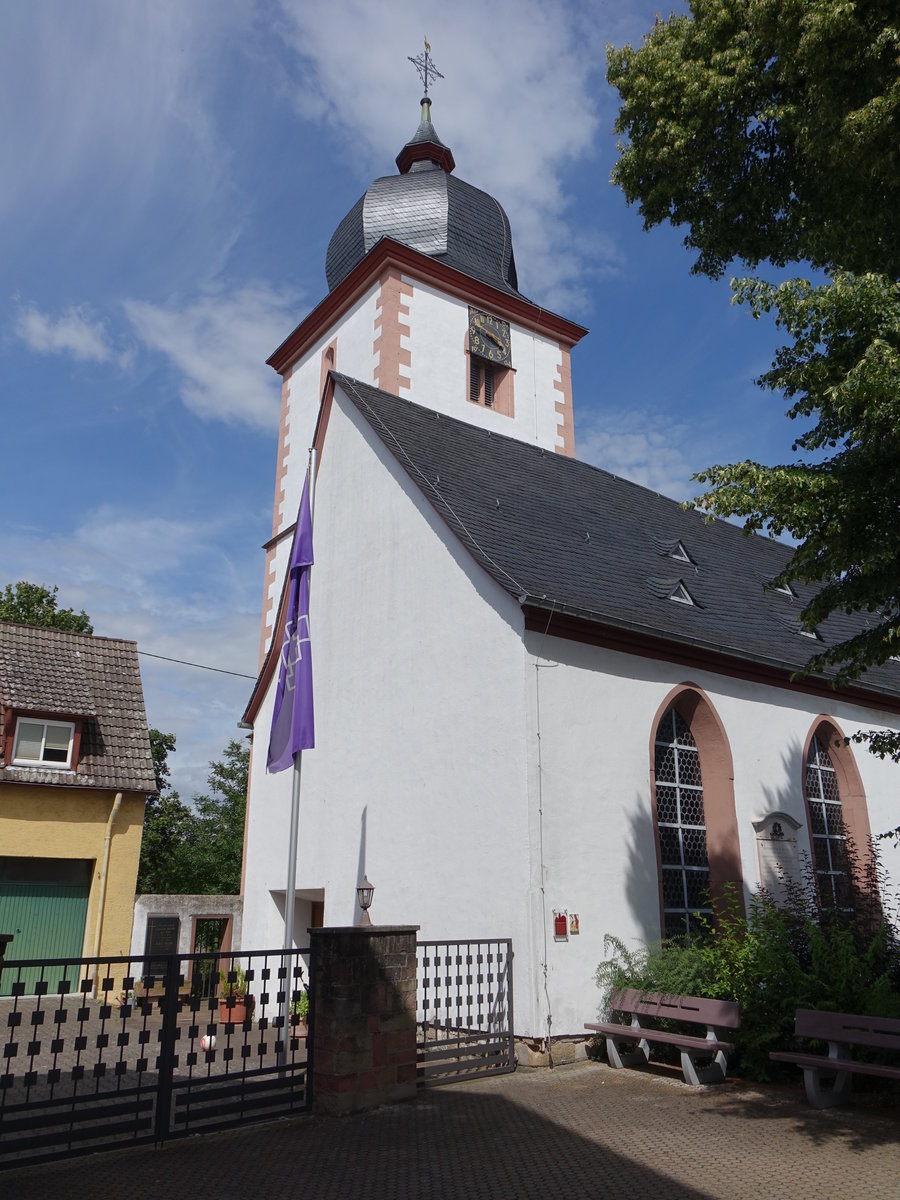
428, 209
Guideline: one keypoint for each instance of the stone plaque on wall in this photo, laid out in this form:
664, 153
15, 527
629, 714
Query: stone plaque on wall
779, 854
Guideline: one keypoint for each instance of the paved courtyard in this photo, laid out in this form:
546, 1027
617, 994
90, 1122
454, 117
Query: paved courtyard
578, 1131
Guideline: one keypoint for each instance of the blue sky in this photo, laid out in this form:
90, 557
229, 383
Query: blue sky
172, 174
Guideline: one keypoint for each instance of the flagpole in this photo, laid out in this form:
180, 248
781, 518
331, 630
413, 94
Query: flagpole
291, 888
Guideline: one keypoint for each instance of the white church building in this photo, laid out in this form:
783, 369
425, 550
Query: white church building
550, 704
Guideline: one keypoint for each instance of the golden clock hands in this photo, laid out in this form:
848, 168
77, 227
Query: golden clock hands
489, 333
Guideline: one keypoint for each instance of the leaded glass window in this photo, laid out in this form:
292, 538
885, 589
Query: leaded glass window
826, 820
681, 826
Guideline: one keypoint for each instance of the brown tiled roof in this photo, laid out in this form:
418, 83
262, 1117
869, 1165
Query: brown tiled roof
97, 679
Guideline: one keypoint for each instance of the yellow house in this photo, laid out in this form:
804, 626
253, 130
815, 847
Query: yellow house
75, 770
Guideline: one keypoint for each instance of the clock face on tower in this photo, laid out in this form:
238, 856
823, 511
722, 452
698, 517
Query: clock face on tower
489, 337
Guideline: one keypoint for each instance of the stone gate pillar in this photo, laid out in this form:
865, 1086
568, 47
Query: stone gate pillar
363, 980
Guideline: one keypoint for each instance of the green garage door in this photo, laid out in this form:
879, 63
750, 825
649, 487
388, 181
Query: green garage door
43, 904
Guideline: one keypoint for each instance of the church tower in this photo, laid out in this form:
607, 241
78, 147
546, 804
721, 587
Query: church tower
423, 302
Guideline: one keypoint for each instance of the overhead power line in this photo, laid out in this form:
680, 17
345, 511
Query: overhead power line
200, 666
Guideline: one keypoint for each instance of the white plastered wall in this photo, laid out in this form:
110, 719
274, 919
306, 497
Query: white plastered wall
355, 335
590, 801
438, 326
418, 775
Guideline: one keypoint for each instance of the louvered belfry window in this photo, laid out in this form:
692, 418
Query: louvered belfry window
481, 383
681, 827
826, 819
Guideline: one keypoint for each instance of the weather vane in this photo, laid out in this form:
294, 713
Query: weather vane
424, 65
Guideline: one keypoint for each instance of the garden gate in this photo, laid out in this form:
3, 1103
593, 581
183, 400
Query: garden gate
99, 1053
464, 1013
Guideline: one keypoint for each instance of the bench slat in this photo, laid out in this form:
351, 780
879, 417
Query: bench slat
698, 1009
823, 1063
881, 1033
660, 1035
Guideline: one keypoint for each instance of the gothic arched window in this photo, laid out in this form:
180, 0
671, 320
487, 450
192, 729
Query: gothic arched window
827, 829
681, 826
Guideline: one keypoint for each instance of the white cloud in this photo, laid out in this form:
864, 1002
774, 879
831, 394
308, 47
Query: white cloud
218, 344
639, 446
518, 106
104, 93
75, 332
140, 548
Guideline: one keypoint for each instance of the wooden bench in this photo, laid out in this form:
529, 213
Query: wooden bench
829, 1077
643, 1007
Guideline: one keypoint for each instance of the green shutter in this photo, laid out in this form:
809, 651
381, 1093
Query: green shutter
47, 921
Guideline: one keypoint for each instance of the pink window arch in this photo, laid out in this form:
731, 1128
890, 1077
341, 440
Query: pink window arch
836, 814
692, 799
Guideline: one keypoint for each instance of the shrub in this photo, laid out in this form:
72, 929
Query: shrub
774, 960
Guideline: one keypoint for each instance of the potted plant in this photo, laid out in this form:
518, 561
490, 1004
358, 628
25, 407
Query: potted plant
299, 1013
234, 1007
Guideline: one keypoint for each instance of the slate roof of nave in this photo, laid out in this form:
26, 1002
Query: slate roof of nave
574, 537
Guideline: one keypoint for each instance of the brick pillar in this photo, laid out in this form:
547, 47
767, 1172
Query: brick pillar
364, 1030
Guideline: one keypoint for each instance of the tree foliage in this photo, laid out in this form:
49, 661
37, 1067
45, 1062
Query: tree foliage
215, 843
161, 746
771, 129
195, 849
36, 604
840, 502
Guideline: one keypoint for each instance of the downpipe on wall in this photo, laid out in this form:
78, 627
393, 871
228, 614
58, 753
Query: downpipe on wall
101, 897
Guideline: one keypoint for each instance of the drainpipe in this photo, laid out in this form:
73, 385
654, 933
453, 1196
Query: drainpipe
101, 899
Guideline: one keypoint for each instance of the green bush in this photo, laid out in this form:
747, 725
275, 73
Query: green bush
774, 960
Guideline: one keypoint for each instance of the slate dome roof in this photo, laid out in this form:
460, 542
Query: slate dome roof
428, 209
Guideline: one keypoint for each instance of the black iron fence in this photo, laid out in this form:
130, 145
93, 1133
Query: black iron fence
99, 1053
465, 1010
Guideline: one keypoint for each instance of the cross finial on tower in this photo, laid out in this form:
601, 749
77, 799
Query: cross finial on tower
425, 66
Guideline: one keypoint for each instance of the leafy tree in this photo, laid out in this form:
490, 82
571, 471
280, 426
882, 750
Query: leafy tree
215, 842
36, 604
843, 372
771, 129
195, 850
166, 823
161, 746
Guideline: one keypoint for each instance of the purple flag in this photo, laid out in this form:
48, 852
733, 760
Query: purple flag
292, 719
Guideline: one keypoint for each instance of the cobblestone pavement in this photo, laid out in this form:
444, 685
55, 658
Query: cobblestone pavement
577, 1131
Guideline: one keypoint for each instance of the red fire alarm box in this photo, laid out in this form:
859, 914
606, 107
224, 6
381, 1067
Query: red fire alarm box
560, 927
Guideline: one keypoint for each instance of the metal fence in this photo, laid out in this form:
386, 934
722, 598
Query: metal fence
99, 1053
465, 1010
